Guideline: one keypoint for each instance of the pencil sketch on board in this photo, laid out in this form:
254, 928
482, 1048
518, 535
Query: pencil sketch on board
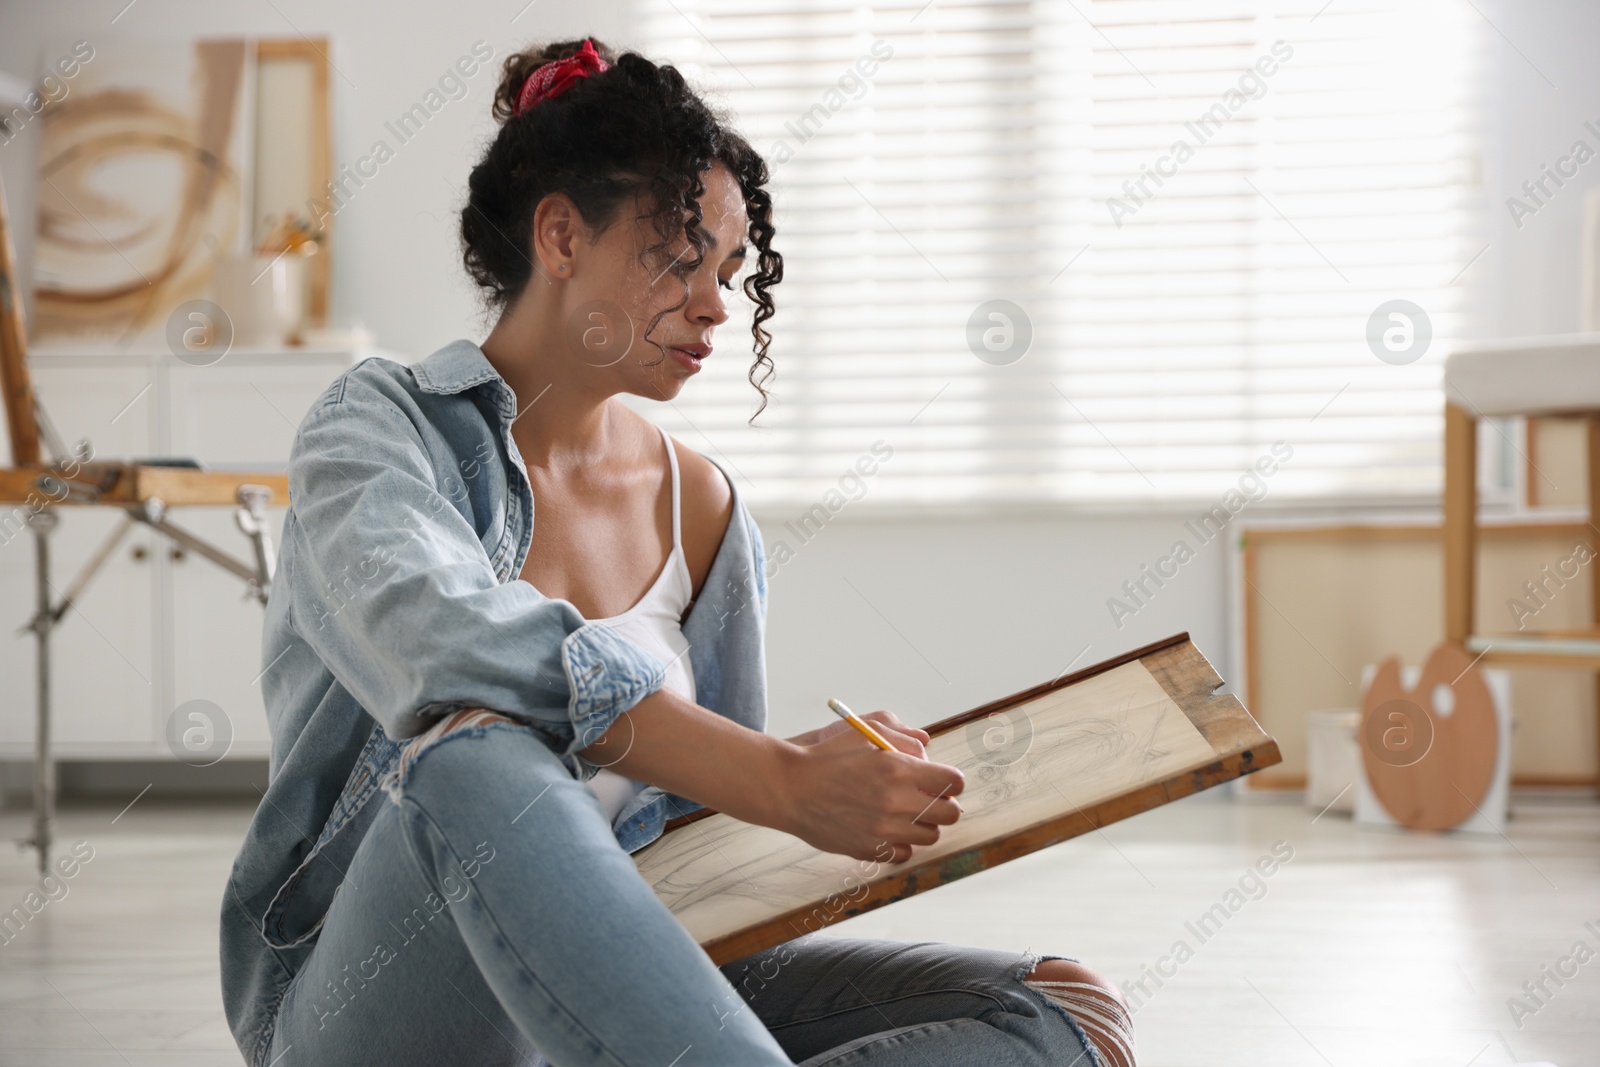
1059, 752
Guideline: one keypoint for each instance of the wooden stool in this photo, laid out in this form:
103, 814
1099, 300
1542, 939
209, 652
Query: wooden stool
1538, 376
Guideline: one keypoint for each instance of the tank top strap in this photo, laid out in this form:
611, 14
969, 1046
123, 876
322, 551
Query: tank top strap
677, 493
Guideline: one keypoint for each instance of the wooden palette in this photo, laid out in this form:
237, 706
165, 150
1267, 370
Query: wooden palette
1042, 766
1430, 751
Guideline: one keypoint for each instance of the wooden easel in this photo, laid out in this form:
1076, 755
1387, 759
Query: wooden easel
144, 492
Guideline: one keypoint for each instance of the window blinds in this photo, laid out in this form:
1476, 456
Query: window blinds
1091, 252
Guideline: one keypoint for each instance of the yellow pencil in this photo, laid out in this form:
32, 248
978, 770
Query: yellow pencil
860, 724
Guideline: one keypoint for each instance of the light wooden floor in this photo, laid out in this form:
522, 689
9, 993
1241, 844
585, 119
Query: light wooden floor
1366, 948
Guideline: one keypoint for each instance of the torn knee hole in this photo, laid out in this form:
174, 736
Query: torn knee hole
1095, 1003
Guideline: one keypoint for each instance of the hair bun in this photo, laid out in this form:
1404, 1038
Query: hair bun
519, 65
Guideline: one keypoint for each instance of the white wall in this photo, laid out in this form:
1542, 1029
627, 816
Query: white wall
1543, 86
990, 603
929, 617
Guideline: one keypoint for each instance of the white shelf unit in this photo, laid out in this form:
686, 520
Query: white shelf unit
158, 626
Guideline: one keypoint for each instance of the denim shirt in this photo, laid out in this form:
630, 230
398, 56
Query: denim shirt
397, 601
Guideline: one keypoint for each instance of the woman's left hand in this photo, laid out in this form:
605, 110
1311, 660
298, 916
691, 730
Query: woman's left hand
899, 734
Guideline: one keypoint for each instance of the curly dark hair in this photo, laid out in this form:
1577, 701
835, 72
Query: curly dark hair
636, 127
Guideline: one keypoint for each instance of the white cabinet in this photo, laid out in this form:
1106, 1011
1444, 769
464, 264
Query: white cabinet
159, 625
216, 630
105, 659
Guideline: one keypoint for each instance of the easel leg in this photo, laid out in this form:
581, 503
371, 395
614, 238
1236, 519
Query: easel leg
251, 517
43, 523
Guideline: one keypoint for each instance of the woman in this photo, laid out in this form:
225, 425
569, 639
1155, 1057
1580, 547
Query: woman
536, 699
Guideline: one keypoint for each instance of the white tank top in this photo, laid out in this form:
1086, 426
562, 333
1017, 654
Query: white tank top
654, 625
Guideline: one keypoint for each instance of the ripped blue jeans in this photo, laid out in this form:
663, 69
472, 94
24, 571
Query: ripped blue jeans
490, 917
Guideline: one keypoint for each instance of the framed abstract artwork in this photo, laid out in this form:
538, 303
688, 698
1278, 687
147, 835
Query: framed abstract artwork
166, 159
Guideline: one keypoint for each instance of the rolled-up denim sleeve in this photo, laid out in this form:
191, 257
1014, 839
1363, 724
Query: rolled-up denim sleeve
392, 588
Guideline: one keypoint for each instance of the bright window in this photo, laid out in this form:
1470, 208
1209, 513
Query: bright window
1194, 208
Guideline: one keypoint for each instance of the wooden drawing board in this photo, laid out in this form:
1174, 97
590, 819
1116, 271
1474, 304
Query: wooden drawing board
1042, 766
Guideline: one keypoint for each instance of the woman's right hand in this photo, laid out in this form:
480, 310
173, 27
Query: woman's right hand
846, 795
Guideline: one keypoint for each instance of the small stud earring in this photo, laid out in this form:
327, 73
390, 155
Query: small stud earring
563, 267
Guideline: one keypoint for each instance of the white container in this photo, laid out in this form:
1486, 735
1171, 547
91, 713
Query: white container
263, 296
1333, 759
